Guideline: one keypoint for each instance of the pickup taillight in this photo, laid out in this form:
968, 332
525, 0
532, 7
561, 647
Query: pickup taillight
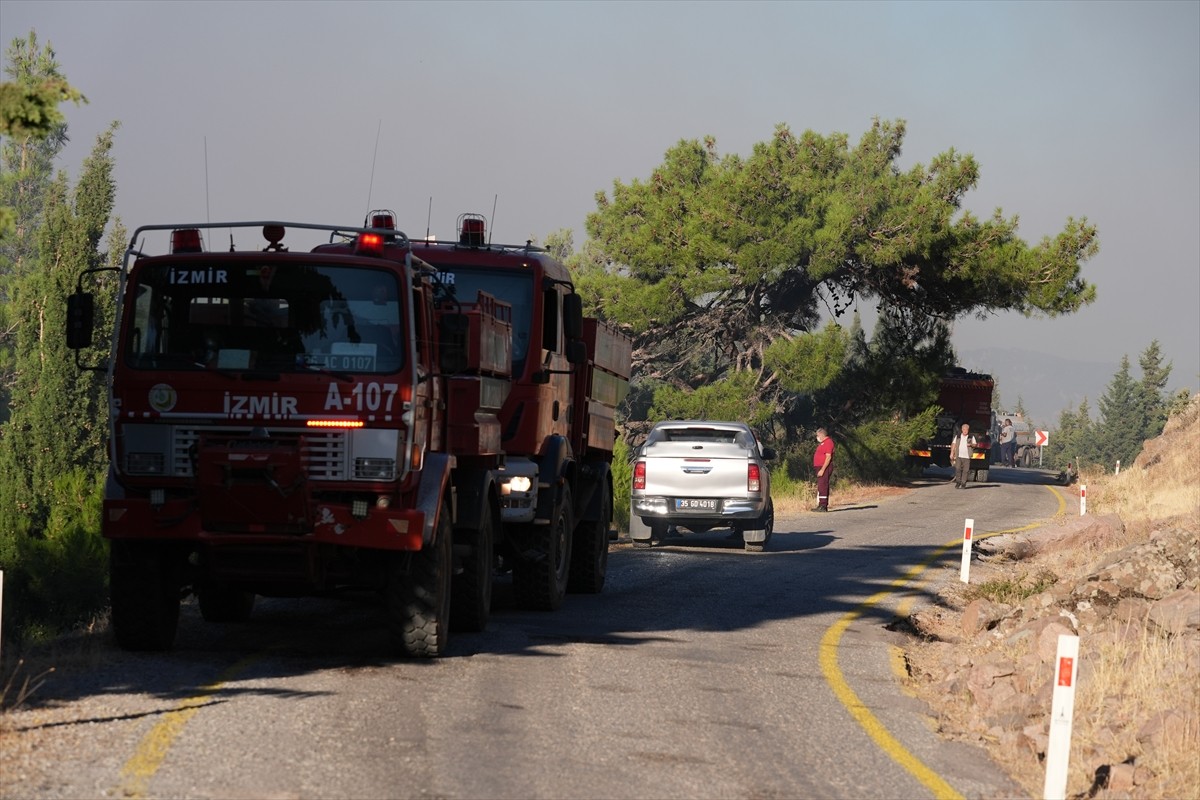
753, 478
639, 475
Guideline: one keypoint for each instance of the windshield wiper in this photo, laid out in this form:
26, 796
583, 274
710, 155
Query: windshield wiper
341, 376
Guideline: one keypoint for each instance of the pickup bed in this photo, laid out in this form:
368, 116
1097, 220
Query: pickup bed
701, 475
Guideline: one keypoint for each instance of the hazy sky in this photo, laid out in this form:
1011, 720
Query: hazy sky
272, 110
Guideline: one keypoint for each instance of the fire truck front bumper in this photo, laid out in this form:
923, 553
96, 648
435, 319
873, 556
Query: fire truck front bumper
327, 523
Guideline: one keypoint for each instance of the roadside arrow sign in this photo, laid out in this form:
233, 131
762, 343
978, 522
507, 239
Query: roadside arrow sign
1042, 437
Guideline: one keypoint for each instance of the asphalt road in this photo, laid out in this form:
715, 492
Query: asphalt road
702, 671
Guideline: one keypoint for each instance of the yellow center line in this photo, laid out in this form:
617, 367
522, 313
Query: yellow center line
828, 659
152, 750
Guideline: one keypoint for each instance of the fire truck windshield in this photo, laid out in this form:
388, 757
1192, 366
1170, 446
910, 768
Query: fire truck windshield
263, 316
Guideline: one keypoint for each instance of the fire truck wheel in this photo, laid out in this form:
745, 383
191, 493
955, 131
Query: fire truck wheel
980, 475
417, 596
145, 590
540, 584
222, 603
589, 556
471, 589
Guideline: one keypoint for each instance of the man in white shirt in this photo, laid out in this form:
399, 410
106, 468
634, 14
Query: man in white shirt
960, 450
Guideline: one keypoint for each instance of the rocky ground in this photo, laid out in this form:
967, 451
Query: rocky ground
982, 657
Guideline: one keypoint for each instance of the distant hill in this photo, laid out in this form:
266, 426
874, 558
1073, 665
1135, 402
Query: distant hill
1045, 383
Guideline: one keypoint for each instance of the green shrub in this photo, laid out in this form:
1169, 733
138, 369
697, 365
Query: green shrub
622, 475
58, 579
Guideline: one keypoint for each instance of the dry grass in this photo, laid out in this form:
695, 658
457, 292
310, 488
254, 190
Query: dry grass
1138, 675
1131, 679
841, 493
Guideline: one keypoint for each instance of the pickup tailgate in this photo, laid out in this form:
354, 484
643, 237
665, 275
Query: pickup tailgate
692, 469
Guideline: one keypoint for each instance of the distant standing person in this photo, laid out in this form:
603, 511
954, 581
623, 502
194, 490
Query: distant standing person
1008, 441
961, 448
823, 462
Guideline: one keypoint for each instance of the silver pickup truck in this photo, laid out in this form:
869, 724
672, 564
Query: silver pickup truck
701, 475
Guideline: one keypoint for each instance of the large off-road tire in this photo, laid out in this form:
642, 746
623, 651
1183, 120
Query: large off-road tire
540, 584
144, 585
766, 524
589, 554
980, 476
222, 603
417, 595
471, 589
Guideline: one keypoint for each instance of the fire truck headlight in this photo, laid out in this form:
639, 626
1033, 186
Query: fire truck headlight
518, 483
375, 453
374, 469
145, 463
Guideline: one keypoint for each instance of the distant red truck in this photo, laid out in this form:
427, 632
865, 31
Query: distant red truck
963, 397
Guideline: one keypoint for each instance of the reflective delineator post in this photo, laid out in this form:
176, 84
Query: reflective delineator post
1118, 472
965, 574
1062, 710
1082, 499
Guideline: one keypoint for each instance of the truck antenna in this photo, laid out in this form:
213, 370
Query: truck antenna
428, 217
371, 184
207, 213
492, 223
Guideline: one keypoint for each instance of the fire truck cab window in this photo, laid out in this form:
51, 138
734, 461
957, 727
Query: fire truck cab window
464, 285
263, 318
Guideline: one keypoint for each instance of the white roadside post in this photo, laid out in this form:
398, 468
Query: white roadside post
1062, 710
1118, 472
1082, 499
965, 574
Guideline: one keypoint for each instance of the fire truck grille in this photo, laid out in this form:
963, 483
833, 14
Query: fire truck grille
324, 457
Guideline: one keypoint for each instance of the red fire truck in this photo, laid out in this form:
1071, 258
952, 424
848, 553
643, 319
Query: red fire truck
289, 423
558, 423
964, 397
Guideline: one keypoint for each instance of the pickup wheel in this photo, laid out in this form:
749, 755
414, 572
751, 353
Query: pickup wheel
540, 584
145, 591
766, 524
471, 592
589, 555
417, 595
222, 603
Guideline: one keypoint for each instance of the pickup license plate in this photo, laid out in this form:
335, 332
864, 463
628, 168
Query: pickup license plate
696, 504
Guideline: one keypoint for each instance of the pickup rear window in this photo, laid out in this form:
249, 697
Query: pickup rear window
702, 435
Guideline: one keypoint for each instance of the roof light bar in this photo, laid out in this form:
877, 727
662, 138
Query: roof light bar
186, 240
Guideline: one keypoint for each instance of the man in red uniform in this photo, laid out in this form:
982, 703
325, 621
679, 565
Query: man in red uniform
823, 463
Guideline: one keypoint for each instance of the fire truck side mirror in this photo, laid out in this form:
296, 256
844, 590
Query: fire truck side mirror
81, 315
573, 317
576, 352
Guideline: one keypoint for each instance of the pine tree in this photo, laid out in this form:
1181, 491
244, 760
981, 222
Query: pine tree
58, 418
1073, 441
35, 133
1153, 389
1122, 418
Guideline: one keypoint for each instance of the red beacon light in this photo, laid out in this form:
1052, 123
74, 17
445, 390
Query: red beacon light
471, 230
186, 240
371, 243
